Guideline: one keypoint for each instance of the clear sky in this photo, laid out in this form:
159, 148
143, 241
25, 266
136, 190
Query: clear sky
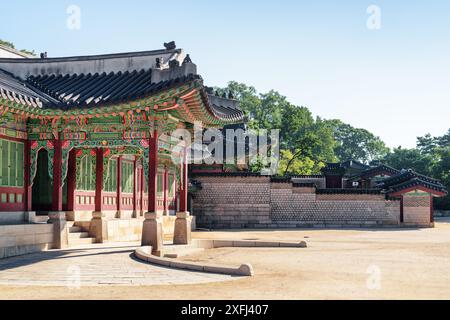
394, 81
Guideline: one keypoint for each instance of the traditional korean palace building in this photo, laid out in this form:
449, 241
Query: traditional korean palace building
91, 134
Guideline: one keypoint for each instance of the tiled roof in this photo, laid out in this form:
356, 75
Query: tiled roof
54, 86
333, 168
407, 179
225, 108
86, 90
415, 183
348, 191
381, 169
13, 89
354, 165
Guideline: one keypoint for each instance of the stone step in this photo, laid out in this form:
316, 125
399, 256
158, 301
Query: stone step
81, 241
70, 224
78, 235
75, 229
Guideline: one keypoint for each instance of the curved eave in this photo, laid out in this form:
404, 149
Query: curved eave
159, 100
196, 107
186, 100
417, 184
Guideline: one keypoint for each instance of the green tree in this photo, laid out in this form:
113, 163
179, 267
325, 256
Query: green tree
7, 44
356, 143
11, 45
292, 164
410, 159
308, 141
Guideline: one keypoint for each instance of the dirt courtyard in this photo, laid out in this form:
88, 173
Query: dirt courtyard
338, 264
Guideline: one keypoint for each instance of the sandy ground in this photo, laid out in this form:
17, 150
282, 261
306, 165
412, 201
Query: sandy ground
338, 264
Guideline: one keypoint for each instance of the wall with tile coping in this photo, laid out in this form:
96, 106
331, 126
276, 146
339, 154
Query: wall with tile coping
228, 202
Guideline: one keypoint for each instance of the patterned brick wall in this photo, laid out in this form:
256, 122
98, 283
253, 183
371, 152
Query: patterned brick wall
255, 202
416, 208
233, 202
313, 210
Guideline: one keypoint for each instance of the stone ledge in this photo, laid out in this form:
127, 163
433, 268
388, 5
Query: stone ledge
144, 253
209, 244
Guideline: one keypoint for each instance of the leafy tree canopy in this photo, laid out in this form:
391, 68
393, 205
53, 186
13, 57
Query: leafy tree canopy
357, 144
11, 45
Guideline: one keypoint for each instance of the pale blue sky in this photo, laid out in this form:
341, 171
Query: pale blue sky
394, 82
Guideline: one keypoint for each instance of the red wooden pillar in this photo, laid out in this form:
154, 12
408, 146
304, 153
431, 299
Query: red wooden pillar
153, 172
142, 186
28, 186
166, 190
119, 184
71, 180
401, 209
99, 180
57, 181
431, 209
135, 185
184, 186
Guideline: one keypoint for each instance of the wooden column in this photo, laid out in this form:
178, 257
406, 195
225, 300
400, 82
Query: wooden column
71, 180
28, 186
57, 181
142, 186
184, 186
166, 190
401, 210
135, 183
153, 172
119, 184
431, 209
99, 180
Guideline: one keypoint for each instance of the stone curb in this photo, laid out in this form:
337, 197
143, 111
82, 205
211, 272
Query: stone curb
209, 244
144, 253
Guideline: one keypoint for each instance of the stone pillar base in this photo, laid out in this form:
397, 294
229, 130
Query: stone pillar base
98, 228
60, 232
182, 231
30, 216
152, 232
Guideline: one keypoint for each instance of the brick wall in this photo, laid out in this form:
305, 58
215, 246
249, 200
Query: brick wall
291, 208
256, 202
416, 208
232, 202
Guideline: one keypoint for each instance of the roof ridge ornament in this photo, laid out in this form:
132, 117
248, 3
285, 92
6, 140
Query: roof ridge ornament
170, 45
187, 59
159, 63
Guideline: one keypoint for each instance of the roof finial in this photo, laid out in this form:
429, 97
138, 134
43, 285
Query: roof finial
170, 45
187, 59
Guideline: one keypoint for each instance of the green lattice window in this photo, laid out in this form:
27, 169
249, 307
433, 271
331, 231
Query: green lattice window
86, 171
159, 185
171, 188
127, 177
12, 166
111, 182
